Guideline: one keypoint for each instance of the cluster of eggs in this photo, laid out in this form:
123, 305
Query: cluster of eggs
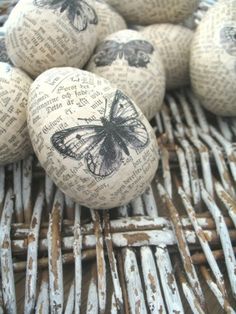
90, 85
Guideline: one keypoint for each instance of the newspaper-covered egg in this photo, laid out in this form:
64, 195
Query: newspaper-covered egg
154, 11
92, 140
14, 138
110, 21
132, 63
173, 43
41, 34
213, 59
3, 50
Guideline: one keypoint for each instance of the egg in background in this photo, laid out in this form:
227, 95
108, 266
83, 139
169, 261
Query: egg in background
44, 34
173, 43
130, 61
110, 21
213, 59
154, 11
14, 138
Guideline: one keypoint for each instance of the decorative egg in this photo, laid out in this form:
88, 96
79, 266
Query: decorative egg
173, 42
213, 59
154, 11
109, 20
132, 63
41, 34
14, 138
91, 139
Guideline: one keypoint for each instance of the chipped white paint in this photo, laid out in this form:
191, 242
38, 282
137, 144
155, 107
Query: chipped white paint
55, 255
2, 187
101, 264
78, 261
166, 170
151, 280
8, 287
187, 113
150, 202
182, 245
137, 206
49, 189
32, 256
113, 305
167, 124
133, 282
92, 301
184, 170
169, 285
203, 241
175, 114
220, 162
192, 166
224, 237
229, 149
70, 306
113, 263
224, 128
218, 294
192, 301
205, 161
42, 306
201, 117
26, 187
228, 201
17, 180
159, 123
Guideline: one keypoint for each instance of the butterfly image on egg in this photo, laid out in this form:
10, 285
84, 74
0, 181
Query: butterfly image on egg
135, 52
228, 39
104, 143
79, 12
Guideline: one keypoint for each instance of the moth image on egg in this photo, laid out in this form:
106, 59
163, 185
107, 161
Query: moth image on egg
228, 39
104, 143
136, 52
79, 12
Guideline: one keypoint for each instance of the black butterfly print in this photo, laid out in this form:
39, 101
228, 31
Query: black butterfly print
228, 39
136, 53
79, 12
104, 143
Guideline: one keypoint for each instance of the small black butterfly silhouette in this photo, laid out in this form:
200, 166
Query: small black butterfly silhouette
79, 12
228, 39
104, 144
136, 53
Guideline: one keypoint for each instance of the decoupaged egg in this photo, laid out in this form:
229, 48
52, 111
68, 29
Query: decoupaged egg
44, 34
132, 63
173, 43
213, 59
109, 20
91, 139
154, 11
14, 139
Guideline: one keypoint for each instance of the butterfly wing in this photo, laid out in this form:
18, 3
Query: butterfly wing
129, 129
137, 53
106, 53
81, 14
49, 4
106, 158
76, 142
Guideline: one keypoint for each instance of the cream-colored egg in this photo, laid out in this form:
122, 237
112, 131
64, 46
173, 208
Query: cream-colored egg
173, 43
154, 11
91, 139
44, 34
132, 63
213, 59
14, 138
109, 20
